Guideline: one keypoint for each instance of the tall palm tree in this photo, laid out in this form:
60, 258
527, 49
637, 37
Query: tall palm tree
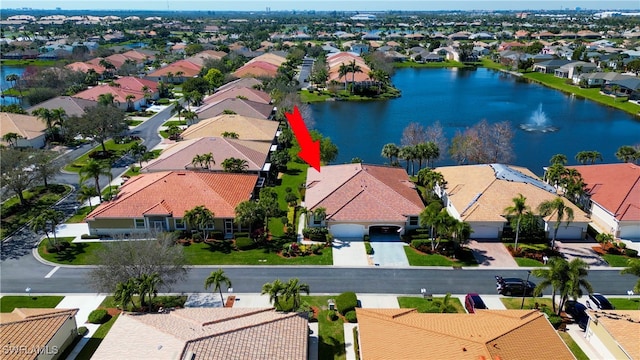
124, 293
199, 218
575, 281
354, 68
216, 279
129, 100
427, 218
553, 275
47, 222
563, 213
86, 193
627, 153
292, 290
12, 78
558, 159
633, 268
343, 70
138, 152
148, 286
518, 209
274, 290
93, 169
190, 116
45, 115
390, 151
12, 138
106, 99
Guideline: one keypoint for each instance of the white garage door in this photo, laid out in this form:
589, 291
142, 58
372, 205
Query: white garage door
347, 230
569, 233
631, 231
484, 232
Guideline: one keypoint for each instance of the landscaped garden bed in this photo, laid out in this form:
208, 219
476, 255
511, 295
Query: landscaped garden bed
531, 255
420, 253
615, 253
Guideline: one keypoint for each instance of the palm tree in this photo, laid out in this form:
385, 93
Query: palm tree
12, 78
234, 165
106, 99
129, 100
248, 213
178, 108
138, 151
216, 279
12, 138
292, 290
124, 293
558, 159
354, 68
575, 281
615, 88
86, 193
390, 151
319, 214
94, 169
342, 72
633, 268
274, 290
445, 306
518, 209
558, 207
428, 217
45, 115
148, 285
47, 222
199, 218
207, 159
627, 153
552, 276
190, 116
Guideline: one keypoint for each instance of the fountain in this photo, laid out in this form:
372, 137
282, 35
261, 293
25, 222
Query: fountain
538, 122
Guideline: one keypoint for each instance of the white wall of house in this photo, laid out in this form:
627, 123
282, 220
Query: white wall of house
36, 143
348, 230
630, 230
575, 230
60, 340
604, 219
486, 229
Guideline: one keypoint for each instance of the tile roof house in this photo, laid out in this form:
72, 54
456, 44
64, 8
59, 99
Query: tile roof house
478, 195
233, 93
247, 128
264, 65
186, 69
247, 82
85, 67
71, 106
208, 333
30, 128
614, 333
487, 334
157, 201
179, 156
613, 192
120, 95
238, 106
359, 198
48, 330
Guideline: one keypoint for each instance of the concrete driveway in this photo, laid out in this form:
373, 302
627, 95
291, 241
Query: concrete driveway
582, 250
388, 250
349, 252
491, 253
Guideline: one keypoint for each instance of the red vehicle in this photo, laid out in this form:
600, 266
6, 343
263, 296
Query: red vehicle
472, 302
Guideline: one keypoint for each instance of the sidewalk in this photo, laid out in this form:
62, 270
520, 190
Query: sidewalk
85, 305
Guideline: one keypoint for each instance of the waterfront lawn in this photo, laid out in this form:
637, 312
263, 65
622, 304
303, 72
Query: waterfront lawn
625, 304
82, 253
417, 258
221, 253
428, 305
529, 302
316, 96
92, 345
119, 149
8, 303
575, 348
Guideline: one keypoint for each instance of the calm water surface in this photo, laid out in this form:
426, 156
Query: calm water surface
461, 98
4, 85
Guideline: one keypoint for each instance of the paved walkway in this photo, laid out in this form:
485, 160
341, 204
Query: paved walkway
492, 254
85, 305
388, 250
349, 252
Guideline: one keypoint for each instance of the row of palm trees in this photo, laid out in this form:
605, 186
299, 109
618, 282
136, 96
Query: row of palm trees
285, 291
346, 68
442, 224
427, 152
146, 285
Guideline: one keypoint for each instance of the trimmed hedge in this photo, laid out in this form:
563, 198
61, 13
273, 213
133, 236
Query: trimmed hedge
346, 302
420, 244
99, 316
351, 316
316, 233
82, 330
87, 236
245, 243
631, 252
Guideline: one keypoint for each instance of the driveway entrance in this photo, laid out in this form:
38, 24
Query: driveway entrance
388, 249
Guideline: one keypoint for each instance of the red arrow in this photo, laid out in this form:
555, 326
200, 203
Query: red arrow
309, 149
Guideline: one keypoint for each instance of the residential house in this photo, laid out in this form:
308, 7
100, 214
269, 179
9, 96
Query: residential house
85, 67
628, 86
614, 333
247, 82
359, 199
598, 79
41, 334
486, 334
478, 195
139, 85
334, 61
235, 93
613, 198
360, 48
158, 201
263, 65
574, 68
247, 128
176, 72
120, 96
72, 106
30, 129
201, 57
208, 333
237, 106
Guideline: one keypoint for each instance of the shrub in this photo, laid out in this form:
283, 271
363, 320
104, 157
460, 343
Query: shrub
99, 316
631, 252
368, 247
351, 316
555, 320
52, 249
162, 101
87, 236
244, 243
346, 302
333, 316
315, 233
421, 245
366, 238
64, 245
216, 235
82, 330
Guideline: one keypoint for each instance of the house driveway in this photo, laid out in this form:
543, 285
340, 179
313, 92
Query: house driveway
582, 250
388, 250
349, 252
491, 253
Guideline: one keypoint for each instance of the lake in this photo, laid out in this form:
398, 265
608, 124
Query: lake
4, 72
461, 98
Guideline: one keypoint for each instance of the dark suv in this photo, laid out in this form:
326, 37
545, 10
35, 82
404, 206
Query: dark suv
578, 312
472, 302
515, 287
600, 301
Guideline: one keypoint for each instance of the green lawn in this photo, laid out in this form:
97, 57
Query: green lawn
175, 122
77, 254
529, 302
616, 260
92, 345
418, 259
526, 262
625, 304
80, 214
426, 305
331, 333
8, 303
133, 123
309, 97
575, 349
222, 254
109, 144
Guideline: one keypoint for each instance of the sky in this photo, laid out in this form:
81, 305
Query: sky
352, 5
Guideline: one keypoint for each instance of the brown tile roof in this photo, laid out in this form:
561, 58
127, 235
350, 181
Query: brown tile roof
85, 67
357, 192
478, 195
30, 329
201, 57
119, 94
27, 126
208, 333
623, 326
180, 155
487, 334
615, 187
239, 106
235, 92
72, 106
136, 84
247, 128
243, 82
188, 69
260, 68
175, 192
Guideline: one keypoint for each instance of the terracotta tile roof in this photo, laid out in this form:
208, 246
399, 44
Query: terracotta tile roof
27, 126
180, 155
30, 329
259, 68
119, 94
478, 195
136, 84
357, 192
239, 106
235, 92
623, 326
615, 187
208, 333
243, 82
247, 128
487, 334
188, 69
72, 106
147, 194
84, 67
